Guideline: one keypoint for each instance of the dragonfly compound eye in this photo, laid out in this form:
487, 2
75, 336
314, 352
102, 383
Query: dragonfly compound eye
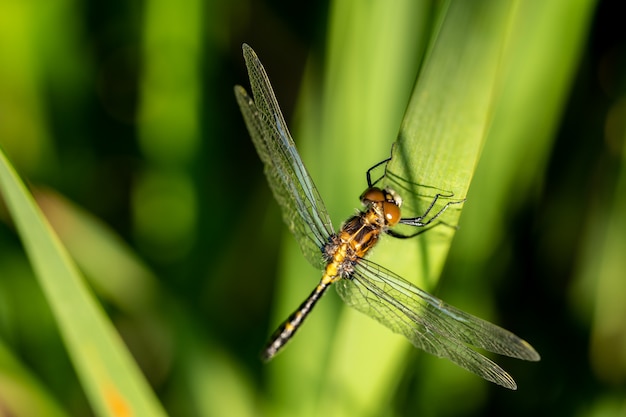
392, 213
372, 195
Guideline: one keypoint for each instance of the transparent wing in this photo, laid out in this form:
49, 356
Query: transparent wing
302, 207
430, 324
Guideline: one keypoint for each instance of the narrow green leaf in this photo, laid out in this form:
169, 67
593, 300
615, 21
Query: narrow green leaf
110, 377
438, 146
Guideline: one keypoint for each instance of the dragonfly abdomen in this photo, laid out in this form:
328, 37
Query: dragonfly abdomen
342, 258
286, 330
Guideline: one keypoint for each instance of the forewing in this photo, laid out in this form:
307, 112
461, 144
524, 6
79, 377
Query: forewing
302, 207
430, 324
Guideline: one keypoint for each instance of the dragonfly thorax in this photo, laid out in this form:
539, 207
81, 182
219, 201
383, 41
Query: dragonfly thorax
360, 233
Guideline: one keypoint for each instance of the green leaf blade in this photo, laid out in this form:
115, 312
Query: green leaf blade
110, 377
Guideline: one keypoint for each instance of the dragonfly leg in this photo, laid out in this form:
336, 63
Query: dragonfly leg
420, 222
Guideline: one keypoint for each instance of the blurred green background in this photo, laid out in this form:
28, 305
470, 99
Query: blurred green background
121, 118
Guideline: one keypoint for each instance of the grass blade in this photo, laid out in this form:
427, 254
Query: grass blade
110, 377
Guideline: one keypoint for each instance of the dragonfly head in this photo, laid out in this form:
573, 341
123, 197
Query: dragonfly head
385, 201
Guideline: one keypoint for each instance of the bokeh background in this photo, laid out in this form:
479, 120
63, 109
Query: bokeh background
122, 119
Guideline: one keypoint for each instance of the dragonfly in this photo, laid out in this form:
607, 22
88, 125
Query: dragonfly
426, 321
